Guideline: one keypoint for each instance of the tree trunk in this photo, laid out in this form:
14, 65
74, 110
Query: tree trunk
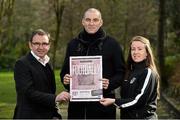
161, 25
58, 8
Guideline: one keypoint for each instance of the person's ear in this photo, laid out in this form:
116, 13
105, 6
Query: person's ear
82, 22
30, 45
101, 22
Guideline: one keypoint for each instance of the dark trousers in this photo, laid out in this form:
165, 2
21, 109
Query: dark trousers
90, 110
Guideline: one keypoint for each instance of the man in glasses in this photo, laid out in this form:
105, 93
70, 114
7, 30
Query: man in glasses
35, 81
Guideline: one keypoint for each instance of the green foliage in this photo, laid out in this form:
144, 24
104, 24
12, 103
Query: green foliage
170, 64
9, 56
121, 20
7, 61
172, 43
174, 81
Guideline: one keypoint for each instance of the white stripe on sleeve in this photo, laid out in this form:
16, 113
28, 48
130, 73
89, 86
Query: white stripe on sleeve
142, 91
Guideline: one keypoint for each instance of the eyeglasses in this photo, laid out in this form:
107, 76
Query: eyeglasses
37, 44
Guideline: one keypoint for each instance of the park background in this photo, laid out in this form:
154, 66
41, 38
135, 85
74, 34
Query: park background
157, 20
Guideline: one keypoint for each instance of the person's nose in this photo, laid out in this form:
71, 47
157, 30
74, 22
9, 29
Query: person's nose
91, 22
135, 51
41, 46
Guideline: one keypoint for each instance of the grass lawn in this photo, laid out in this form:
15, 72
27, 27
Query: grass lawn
8, 93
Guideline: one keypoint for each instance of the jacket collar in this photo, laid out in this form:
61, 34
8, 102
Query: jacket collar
43, 61
87, 38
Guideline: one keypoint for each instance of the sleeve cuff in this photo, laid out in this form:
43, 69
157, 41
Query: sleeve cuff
115, 104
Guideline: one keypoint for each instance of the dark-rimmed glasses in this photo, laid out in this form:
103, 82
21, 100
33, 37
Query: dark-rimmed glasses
37, 44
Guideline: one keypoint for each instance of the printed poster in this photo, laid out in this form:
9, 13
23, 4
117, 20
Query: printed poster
86, 72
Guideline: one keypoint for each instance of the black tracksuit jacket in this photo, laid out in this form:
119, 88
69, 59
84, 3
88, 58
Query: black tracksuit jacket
113, 69
139, 94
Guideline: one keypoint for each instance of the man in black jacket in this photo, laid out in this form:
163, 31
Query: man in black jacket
93, 41
35, 82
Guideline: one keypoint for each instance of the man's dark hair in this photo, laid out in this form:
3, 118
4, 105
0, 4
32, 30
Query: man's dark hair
39, 32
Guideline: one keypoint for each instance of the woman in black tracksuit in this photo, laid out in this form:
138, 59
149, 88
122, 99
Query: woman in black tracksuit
139, 90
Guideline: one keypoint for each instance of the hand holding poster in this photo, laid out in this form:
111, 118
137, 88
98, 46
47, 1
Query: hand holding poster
86, 72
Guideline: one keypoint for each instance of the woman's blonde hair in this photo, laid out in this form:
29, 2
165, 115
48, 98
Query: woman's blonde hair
150, 61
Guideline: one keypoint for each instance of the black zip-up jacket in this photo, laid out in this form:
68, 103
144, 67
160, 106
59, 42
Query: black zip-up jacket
139, 94
113, 69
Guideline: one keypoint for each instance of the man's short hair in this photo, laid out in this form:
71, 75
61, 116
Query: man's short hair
92, 10
39, 32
